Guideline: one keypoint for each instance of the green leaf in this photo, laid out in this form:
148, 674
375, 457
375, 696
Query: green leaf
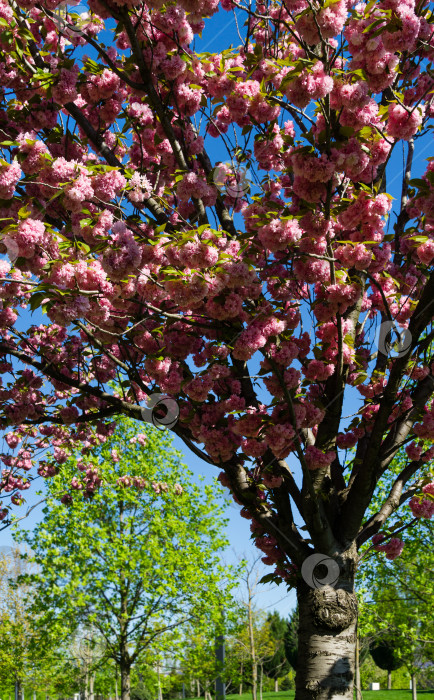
36, 299
418, 182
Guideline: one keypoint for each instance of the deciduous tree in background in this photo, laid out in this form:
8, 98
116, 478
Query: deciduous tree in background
386, 656
277, 666
395, 594
14, 623
154, 268
130, 564
395, 615
198, 663
254, 640
34, 655
291, 638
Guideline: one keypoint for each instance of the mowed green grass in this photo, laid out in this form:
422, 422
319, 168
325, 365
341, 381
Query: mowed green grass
367, 695
396, 694
5, 694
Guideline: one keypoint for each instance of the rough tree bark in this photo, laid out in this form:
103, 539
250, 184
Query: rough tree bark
125, 679
327, 640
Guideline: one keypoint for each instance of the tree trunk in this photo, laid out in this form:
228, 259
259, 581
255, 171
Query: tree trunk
389, 680
91, 686
357, 670
252, 649
241, 679
125, 681
413, 687
123, 639
254, 681
327, 640
160, 694
276, 685
260, 683
197, 689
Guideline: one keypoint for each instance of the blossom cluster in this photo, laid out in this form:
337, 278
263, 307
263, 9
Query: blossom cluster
158, 274
392, 548
421, 506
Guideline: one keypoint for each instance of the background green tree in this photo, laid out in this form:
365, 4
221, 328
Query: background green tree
252, 643
198, 661
290, 639
396, 595
276, 666
34, 655
386, 655
131, 563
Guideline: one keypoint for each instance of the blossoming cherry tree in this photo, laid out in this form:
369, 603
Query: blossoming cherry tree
268, 309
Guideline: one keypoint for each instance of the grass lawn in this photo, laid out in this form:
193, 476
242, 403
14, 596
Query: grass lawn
283, 695
367, 695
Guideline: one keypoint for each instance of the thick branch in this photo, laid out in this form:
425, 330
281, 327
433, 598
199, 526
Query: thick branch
403, 216
395, 498
363, 486
158, 106
48, 371
401, 429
